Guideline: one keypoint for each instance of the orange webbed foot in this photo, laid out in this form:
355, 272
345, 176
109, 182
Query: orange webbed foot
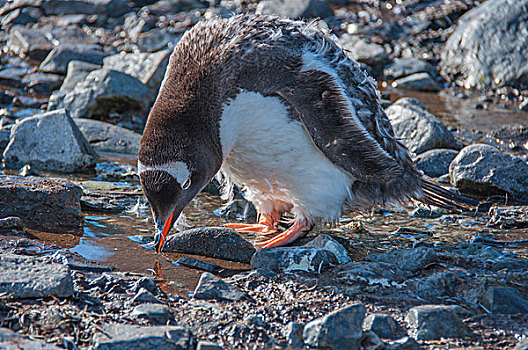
267, 224
288, 236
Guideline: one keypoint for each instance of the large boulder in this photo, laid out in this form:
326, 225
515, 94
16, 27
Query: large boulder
419, 130
105, 137
485, 170
42, 204
488, 47
49, 141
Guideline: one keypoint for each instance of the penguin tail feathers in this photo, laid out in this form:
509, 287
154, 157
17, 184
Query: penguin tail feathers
435, 194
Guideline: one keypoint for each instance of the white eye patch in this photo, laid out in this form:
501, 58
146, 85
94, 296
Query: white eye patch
178, 170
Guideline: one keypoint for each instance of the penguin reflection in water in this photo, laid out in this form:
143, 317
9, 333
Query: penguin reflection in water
278, 109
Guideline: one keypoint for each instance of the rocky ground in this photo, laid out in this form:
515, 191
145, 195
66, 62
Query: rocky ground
77, 80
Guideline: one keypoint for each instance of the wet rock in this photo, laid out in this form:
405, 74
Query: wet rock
372, 272
295, 8
204, 345
383, 325
49, 141
30, 42
371, 54
106, 137
419, 129
484, 169
116, 171
435, 162
403, 67
144, 296
405, 343
326, 242
210, 287
107, 95
290, 259
76, 262
294, 334
42, 84
58, 59
412, 259
340, 329
120, 336
504, 300
112, 8
213, 242
42, 204
11, 223
156, 314
496, 62
149, 68
430, 322
10, 340
417, 82
30, 277
199, 264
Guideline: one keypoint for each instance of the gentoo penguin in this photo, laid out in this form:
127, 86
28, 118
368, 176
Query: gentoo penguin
280, 110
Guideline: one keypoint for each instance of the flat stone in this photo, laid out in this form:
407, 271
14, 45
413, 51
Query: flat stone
42, 204
49, 141
10, 340
417, 82
295, 8
21, 16
30, 277
383, 325
76, 72
58, 59
405, 343
372, 273
483, 62
13, 76
11, 223
483, 169
326, 242
156, 314
213, 242
430, 322
112, 8
419, 130
144, 296
504, 300
199, 264
289, 259
371, 54
210, 287
106, 137
403, 67
436, 285
148, 68
157, 39
435, 162
76, 262
411, 259
340, 329
30, 42
205, 345
294, 334
41, 83
120, 336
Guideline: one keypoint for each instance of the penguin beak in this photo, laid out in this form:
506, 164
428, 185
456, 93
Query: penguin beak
166, 228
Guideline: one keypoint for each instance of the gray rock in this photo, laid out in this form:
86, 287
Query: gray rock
42, 84
372, 272
156, 314
419, 129
437, 285
21, 16
371, 341
484, 169
371, 54
30, 277
411, 259
148, 68
42, 204
10, 340
111, 8
435, 162
522, 345
326, 242
31, 42
13, 76
213, 242
103, 93
106, 137
211, 287
146, 283
11, 223
144, 296
205, 345
405, 343
199, 264
4, 138
76, 262
426, 213
430, 322
295, 8
116, 171
76, 72
49, 141
383, 325
162, 7
58, 59
340, 329
504, 300
486, 47
238, 209
294, 334
417, 82
157, 39
290, 259
120, 336
403, 67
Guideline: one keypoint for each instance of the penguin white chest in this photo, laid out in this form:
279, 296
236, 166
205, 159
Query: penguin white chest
273, 159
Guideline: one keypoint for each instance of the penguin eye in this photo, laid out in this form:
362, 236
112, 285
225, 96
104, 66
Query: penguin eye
187, 184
